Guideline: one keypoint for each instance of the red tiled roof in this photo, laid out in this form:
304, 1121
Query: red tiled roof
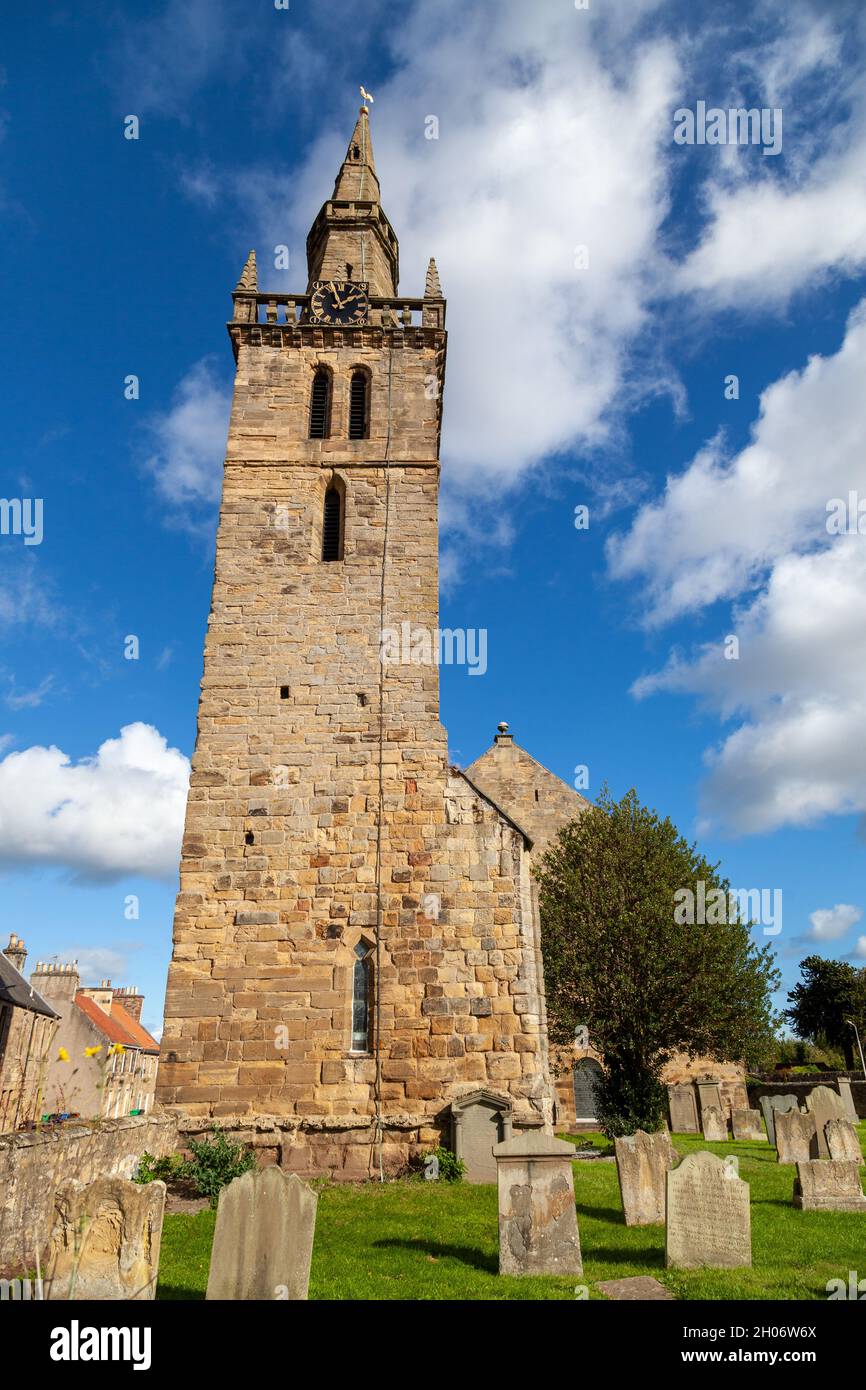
118, 1026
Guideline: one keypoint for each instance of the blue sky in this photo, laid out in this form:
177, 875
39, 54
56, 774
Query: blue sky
602, 385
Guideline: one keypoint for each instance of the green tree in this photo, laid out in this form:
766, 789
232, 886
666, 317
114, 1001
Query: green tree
619, 958
830, 992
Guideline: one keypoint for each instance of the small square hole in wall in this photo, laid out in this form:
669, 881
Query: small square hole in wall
250, 838
284, 692
362, 699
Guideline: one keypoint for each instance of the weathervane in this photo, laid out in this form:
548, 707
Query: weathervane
365, 96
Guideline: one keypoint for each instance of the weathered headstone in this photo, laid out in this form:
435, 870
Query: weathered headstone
709, 1093
708, 1218
746, 1124
639, 1287
263, 1241
537, 1217
642, 1163
847, 1098
831, 1184
824, 1104
683, 1109
842, 1140
479, 1120
714, 1124
105, 1240
739, 1096
796, 1138
773, 1105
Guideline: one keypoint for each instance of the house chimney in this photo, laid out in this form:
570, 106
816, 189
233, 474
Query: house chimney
129, 999
16, 952
55, 981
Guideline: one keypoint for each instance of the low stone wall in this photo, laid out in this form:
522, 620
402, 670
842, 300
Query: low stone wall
31, 1166
800, 1087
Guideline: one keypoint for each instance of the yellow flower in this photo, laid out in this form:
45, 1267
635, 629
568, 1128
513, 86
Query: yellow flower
62, 1055
116, 1047
92, 1051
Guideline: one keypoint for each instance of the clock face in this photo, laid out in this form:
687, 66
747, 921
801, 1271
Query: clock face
339, 301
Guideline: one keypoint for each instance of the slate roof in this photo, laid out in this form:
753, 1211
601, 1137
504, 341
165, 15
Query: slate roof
15, 990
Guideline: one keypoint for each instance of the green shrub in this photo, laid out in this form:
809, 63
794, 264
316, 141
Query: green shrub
152, 1169
216, 1161
451, 1168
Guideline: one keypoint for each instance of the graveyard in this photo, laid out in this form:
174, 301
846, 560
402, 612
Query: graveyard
410, 1239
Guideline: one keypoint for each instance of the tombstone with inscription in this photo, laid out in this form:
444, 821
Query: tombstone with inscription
847, 1098
683, 1109
796, 1139
708, 1221
263, 1241
842, 1140
709, 1093
642, 1163
831, 1184
746, 1124
480, 1120
738, 1096
105, 1240
824, 1104
773, 1105
537, 1216
714, 1124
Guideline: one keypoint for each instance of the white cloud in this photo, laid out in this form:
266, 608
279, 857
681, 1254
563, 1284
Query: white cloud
829, 923
29, 699
753, 529
99, 963
859, 952
119, 812
190, 442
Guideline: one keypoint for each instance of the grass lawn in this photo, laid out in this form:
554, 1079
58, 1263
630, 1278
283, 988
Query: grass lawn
418, 1240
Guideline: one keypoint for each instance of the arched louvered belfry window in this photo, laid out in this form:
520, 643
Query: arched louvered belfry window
320, 405
358, 406
332, 525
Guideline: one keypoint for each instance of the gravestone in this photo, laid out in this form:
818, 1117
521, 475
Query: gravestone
708, 1221
105, 1240
683, 1109
709, 1093
796, 1137
847, 1098
714, 1124
773, 1105
824, 1104
263, 1241
842, 1140
537, 1218
642, 1163
746, 1124
479, 1121
831, 1184
739, 1096
639, 1287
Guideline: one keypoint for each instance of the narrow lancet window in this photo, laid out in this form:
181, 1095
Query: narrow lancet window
320, 405
358, 406
361, 992
332, 526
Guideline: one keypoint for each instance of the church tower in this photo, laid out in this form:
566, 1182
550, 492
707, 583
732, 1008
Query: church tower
354, 939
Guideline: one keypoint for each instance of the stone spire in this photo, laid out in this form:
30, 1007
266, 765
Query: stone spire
357, 179
249, 275
432, 288
352, 239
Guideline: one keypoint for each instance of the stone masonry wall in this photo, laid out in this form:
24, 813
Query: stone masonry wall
32, 1165
278, 872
